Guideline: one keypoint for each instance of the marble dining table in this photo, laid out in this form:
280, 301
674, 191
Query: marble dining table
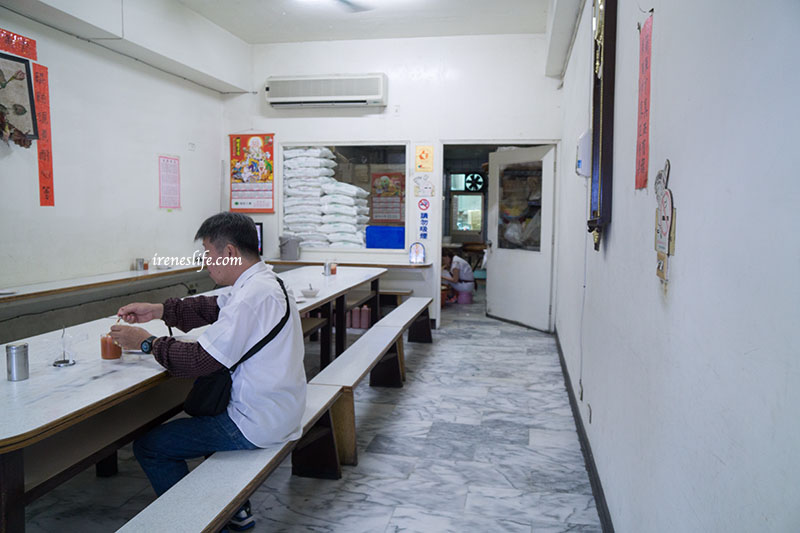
333, 289
62, 420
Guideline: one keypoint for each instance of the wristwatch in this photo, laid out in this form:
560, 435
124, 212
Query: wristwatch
147, 344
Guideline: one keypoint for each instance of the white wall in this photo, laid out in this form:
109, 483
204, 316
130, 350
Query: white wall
111, 118
695, 416
448, 89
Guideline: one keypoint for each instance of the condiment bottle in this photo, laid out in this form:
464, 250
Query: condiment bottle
365, 317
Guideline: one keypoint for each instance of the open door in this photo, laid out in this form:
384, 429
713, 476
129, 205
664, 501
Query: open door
520, 229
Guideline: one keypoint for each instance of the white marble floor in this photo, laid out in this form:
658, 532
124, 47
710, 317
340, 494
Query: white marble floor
481, 438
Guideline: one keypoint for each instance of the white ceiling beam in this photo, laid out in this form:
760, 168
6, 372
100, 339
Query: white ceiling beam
562, 22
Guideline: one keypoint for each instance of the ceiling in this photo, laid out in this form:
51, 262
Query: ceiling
281, 21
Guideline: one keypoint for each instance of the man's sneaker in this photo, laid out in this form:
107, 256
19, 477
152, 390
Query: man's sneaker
242, 520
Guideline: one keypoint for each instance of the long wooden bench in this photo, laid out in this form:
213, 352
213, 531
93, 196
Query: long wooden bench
215, 490
378, 352
226, 480
398, 294
412, 314
359, 298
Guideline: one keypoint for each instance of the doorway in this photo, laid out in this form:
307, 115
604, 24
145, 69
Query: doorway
498, 216
466, 174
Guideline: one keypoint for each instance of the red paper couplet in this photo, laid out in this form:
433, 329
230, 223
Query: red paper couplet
41, 90
643, 126
17, 44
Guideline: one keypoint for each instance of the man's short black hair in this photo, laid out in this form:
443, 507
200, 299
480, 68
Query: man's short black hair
230, 228
447, 252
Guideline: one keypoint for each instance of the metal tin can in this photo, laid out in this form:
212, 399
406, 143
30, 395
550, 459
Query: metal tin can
17, 361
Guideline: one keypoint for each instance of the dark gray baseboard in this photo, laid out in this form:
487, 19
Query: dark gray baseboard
586, 448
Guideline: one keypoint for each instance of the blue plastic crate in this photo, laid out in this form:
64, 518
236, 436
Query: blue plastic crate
386, 237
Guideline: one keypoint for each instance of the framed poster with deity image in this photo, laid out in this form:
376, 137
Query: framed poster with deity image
17, 112
252, 173
604, 23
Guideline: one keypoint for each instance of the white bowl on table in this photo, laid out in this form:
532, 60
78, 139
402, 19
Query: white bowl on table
309, 293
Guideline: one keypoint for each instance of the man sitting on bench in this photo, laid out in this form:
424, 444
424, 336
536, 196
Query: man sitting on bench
268, 391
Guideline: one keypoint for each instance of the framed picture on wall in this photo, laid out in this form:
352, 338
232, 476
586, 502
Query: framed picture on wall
605, 46
16, 97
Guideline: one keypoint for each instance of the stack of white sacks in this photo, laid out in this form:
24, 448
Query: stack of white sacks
318, 209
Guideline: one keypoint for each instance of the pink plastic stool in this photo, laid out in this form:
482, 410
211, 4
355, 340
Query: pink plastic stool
465, 297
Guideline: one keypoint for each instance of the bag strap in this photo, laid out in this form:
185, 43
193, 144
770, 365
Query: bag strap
271, 335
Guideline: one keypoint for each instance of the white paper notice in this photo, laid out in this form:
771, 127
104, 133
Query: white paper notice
169, 182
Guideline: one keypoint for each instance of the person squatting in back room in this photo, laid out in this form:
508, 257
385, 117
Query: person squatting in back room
456, 274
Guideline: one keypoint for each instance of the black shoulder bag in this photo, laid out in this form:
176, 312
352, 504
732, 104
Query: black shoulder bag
211, 393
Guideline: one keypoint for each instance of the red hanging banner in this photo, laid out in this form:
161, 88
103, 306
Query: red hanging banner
41, 91
17, 44
643, 126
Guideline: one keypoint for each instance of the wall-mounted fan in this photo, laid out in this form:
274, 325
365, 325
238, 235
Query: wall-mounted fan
474, 182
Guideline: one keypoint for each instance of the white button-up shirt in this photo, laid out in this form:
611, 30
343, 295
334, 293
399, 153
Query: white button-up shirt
268, 396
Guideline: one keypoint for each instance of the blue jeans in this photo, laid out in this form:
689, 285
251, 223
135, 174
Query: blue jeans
162, 452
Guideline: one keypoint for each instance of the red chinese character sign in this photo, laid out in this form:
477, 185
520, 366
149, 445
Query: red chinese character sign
17, 44
643, 126
252, 177
41, 89
25, 105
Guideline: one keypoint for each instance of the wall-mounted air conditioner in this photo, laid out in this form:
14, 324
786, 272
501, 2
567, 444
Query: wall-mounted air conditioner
335, 90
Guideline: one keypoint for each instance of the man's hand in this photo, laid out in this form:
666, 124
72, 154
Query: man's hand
137, 313
129, 337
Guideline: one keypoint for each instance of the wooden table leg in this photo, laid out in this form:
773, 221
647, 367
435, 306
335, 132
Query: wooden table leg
341, 324
375, 305
325, 337
12, 492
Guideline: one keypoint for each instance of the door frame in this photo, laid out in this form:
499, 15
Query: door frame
556, 145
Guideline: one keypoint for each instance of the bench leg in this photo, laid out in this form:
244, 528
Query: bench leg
420, 330
107, 466
315, 454
344, 424
12, 492
388, 373
401, 358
